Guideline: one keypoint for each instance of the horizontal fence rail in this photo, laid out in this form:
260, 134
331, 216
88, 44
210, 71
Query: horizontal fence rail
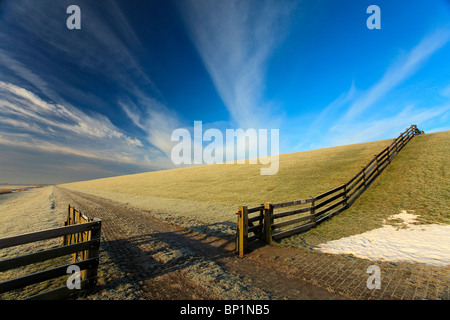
81, 238
269, 223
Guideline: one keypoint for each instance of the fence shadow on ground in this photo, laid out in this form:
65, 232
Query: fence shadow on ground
224, 230
144, 257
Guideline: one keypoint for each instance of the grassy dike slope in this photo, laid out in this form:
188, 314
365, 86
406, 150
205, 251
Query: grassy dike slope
417, 180
205, 198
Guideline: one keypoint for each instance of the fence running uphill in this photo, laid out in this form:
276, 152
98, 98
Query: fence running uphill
263, 223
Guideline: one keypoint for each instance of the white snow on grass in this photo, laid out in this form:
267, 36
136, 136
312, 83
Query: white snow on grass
403, 239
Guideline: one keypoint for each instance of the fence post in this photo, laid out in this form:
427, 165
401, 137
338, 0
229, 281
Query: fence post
389, 155
363, 170
261, 222
312, 211
345, 197
268, 218
94, 252
238, 229
377, 167
242, 231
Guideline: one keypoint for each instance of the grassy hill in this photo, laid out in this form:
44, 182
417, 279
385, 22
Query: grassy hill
418, 180
206, 197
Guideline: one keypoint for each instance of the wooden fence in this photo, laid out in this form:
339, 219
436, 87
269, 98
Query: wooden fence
266, 222
81, 238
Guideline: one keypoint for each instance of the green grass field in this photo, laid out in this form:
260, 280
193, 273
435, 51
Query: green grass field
206, 197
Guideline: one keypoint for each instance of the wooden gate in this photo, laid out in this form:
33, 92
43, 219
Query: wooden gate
81, 238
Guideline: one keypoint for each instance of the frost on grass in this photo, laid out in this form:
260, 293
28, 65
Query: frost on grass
209, 275
199, 216
213, 278
401, 238
25, 212
168, 255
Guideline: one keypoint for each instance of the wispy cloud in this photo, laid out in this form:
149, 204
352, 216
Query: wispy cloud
446, 92
28, 121
105, 45
235, 40
34, 107
154, 119
391, 126
361, 121
321, 122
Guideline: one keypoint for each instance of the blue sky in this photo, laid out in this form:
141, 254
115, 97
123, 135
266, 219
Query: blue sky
103, 101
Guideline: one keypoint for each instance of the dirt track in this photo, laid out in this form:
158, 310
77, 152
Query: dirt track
144, 258
164, 261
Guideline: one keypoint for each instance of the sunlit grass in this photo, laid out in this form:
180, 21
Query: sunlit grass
417, 179
300, 175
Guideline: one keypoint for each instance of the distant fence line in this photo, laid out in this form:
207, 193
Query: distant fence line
81, 238
260, 223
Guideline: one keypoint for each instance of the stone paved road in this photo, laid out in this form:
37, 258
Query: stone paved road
144, 258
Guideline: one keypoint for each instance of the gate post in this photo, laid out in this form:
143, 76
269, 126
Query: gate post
242, 231
94, 252
268, 219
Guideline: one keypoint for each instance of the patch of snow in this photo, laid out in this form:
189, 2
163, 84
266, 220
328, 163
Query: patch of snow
398, 241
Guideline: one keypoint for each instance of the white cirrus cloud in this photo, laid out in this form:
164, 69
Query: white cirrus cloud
397, 73
361, 121
235, 40
30, 122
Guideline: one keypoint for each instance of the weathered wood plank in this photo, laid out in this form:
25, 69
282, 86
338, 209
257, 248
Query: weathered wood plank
31, 258
291, 203
355, 190
292, 231
253, 219
383, 161
329, 215
371, 177
47, 234
383, 153
369, 164
325, 194
329, 200
37, 277
292, 221
371, 169
255, 229
254, 238
290, 213
255, 209
334, 205
354, 196
256, 218
350, 184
